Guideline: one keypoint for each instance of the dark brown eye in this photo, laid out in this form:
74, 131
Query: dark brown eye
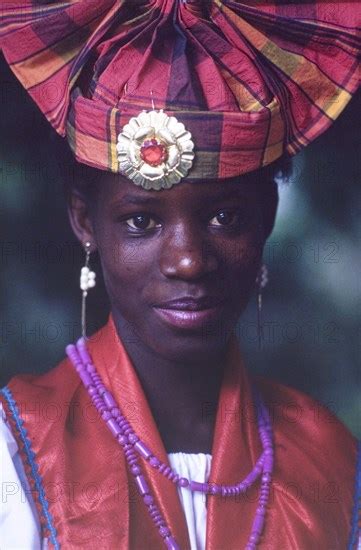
141, 221
226, 217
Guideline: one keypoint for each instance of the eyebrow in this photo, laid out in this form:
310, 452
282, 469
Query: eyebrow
133, 199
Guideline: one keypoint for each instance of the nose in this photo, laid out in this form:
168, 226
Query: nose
186, 254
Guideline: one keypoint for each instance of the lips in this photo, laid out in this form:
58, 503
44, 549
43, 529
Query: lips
189, 313
188, 303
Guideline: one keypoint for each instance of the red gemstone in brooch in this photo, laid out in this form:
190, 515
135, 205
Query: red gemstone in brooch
153, 152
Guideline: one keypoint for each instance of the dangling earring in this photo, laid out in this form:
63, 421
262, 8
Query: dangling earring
261, 282
87, 280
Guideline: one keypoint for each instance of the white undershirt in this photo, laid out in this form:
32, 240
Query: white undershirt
19, 523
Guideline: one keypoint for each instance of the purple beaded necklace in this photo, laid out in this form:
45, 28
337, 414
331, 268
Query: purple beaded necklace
134, 448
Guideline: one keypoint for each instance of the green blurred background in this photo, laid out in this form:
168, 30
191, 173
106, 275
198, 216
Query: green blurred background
312, 304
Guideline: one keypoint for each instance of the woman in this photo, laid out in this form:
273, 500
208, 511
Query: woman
180, 228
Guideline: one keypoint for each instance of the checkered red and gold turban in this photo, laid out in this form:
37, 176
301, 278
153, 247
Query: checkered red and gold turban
248, 80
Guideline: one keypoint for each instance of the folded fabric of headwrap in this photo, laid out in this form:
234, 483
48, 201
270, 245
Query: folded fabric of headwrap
249, 80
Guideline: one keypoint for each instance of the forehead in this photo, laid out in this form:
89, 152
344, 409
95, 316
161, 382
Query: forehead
114, 188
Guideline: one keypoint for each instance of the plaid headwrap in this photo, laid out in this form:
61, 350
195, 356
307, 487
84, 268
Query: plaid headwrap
250, 80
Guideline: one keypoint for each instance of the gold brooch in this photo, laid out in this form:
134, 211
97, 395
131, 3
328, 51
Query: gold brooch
154, 150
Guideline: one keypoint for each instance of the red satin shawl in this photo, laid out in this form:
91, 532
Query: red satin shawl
93, 498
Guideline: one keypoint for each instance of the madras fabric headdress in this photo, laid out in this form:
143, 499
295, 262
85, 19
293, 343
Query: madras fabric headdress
227, 87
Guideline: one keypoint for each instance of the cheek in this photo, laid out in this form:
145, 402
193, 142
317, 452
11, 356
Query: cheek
241, 254
240, 260
126, 266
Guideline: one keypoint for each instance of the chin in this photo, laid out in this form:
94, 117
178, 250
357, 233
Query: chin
190, 352
191, 345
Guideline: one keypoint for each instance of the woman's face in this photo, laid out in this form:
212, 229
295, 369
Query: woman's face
195, 241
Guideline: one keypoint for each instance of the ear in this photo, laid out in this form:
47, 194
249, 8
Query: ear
80, 221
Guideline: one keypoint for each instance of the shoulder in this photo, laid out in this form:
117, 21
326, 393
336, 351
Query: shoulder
41, 396
314, 450
316, 474
61, 380
60, 373
296, 414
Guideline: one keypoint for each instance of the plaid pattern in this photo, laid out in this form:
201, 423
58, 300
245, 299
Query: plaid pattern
250, 80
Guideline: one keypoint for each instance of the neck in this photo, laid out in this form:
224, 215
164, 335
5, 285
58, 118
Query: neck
182, 396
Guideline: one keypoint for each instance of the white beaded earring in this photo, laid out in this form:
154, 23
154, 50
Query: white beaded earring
261, 282
87, 280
